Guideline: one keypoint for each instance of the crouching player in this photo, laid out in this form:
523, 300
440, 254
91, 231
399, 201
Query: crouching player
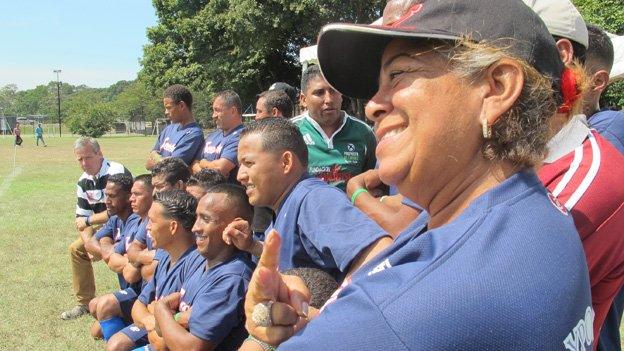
110, 244
214, 293
141, 251
171, 219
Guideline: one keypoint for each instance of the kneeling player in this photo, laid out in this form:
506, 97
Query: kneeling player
214, 293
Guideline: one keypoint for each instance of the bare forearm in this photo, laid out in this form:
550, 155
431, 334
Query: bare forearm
391, 218
370, 252
222, 165
98, 218
117, 262
175, 336
146, 257
139, 313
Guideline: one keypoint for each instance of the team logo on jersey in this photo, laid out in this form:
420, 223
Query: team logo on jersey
350, 147
118, 235
351, 157
123, 292
210, 149
135, 329
582, 336
167, 145
555, 202
308, 139
380, 267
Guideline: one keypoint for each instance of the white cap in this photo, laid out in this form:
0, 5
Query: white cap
562, 19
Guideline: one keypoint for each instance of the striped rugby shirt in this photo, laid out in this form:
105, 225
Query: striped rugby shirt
90, 189
584, 173
347, 153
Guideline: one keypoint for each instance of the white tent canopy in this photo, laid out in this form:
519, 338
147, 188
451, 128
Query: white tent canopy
617, 72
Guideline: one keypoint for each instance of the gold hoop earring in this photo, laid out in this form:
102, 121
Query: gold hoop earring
487, 130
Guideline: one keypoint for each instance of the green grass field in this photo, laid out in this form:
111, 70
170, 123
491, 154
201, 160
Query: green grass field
36, 226
37, 203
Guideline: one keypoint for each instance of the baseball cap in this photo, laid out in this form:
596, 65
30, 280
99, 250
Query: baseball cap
350, 54
287, 88
562, 19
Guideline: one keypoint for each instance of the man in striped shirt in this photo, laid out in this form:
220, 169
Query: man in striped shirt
90, 212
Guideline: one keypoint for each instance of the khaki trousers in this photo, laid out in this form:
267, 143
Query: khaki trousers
83, 280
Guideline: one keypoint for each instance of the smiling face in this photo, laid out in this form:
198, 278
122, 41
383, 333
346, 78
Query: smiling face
260, 172
322, 101
427, 121
213, 215
159, 226
140, 198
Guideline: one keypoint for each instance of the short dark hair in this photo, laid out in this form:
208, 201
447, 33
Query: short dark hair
122, 180
311, 73
179, 92
279, 135
173, 169
179, 206
146, 179
321, 284
206, 178
599, 53
237, 197
230, 98
278, 99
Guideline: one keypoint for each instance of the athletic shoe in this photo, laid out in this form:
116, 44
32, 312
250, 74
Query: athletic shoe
75, 312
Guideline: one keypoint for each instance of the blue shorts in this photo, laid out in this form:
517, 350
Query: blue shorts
137, 335
126, 299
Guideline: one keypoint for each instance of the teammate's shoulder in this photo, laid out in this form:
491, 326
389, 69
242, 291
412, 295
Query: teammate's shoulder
115, 168
297, 120
358, 123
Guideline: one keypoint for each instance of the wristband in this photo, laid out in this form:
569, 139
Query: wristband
176, 317
357, 193
264, 345
382, 198
87, 222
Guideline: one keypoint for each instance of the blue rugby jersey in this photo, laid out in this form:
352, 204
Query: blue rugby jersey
183, 142
218, 145
320, 228
610, 124
217, 296
143, 236
166, 279
508, 274
122, 234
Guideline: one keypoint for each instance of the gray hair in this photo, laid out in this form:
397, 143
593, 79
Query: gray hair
84, 141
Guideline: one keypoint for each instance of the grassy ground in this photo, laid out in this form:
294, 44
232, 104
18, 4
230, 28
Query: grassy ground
37, 203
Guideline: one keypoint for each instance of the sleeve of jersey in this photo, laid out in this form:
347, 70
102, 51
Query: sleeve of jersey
188, 146
353, 322
148, 291
230, 150
334, 229
82, 205
219, 309
371, 145
107, 230
141, 234
159, 141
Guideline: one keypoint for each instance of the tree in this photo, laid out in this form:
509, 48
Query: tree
96, 122
245, 45
609, 15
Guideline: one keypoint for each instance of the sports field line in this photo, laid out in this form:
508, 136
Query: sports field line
6, 183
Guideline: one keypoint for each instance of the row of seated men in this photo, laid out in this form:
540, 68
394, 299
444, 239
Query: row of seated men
307, 209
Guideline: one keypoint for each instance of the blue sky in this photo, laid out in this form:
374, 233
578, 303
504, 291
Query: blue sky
93, 42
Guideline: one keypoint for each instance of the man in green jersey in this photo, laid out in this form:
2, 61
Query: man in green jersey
339, 146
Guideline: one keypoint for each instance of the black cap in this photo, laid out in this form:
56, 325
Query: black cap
288, 89
350, 54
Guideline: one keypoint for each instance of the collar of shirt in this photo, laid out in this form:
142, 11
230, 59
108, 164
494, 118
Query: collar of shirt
568, 138
328, 140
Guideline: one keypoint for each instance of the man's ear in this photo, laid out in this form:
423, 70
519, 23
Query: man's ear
600, 81
180, 185
566, 51
275, 112
504, 84
173, 226
287, 162
302, 100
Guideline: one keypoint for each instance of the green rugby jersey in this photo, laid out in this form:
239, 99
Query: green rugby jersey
347, 153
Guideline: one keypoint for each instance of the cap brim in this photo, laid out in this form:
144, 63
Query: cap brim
350, 55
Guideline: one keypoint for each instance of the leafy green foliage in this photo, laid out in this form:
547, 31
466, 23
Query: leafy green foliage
94, 123
245, 45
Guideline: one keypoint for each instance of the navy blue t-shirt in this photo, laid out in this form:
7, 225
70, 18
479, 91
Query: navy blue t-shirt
183, 142
218, 145
217, 296
320, 228
610, 124
143, 236
166, 279
508, 274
